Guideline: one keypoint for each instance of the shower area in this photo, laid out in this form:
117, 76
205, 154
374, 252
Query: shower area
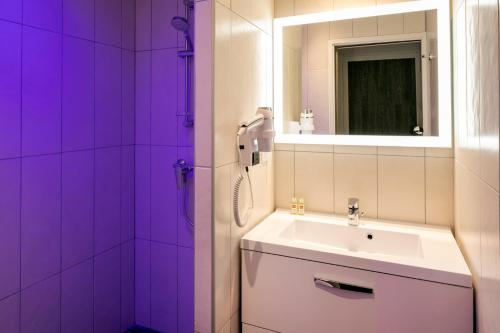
96, 155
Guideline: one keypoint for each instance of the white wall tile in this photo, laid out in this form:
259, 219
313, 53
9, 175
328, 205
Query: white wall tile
401, 151
222, 245
356, 177
414, 22
203, 86
283, 8
341, 29
362, 150
312, 6
390, 25
225, 119
488, 287
347, 4
364, 27
467, 217
439, 152
468, 147
226, 3
259, 12
314, 180
488, 92
401, 191
383, 2
314, 148
284, 146
243, 82
439, 177
203, 249
476, 57
284, 173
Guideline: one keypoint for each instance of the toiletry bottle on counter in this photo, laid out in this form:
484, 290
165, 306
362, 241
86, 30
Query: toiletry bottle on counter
301, 208
293, 206
307, 121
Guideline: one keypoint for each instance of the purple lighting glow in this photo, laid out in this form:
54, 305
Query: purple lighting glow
92, 232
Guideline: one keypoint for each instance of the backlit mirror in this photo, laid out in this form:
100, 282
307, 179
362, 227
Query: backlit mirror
371, 76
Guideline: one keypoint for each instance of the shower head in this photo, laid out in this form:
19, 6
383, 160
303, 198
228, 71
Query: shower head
180, 24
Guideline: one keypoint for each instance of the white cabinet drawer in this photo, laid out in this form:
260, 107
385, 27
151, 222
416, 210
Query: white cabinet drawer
280, 294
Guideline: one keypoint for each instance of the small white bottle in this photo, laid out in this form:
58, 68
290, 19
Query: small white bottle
301, 208
307, 121
293, 206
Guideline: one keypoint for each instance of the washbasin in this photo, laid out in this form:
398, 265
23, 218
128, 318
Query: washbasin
337, 234
399, 248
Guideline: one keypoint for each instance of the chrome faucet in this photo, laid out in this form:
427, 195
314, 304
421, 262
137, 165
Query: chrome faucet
353, 211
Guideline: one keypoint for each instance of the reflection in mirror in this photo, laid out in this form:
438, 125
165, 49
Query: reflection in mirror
368, 76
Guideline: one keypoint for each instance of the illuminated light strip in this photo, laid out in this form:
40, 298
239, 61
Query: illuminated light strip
444, 75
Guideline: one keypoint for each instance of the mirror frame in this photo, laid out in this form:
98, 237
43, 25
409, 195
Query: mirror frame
443, 140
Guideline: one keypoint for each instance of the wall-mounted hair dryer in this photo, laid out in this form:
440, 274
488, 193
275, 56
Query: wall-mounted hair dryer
254, 136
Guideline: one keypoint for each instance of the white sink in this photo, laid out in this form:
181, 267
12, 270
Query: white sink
412, 250
337, 234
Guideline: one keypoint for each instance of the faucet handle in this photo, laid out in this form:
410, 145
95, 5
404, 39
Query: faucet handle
353, 203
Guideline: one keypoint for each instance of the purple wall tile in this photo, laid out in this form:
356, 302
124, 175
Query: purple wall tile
163, 287
164, 98
78, 18
143, 97
181, 82
163, 195
143, 282
143, 192
108, 22
40, 218
127, 285
77, 206
46, 14
108, 96
143, 25
10, 88
41, 307
164, 35
128, 98
77, 94
185, 135
11, 10
107, 198
107, 292
9, 314
47, 215
41, 114
128, 24
10, 204
127, 193
77, 299
185, 276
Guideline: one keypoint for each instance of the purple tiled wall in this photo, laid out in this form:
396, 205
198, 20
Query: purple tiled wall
93, 237
164, 269
67, 159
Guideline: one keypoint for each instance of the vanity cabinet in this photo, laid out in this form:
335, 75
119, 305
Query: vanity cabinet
280, 294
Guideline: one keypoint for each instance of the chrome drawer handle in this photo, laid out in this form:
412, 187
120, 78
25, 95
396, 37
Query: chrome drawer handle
342, 286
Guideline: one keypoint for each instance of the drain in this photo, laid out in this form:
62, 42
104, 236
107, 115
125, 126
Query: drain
369, 236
